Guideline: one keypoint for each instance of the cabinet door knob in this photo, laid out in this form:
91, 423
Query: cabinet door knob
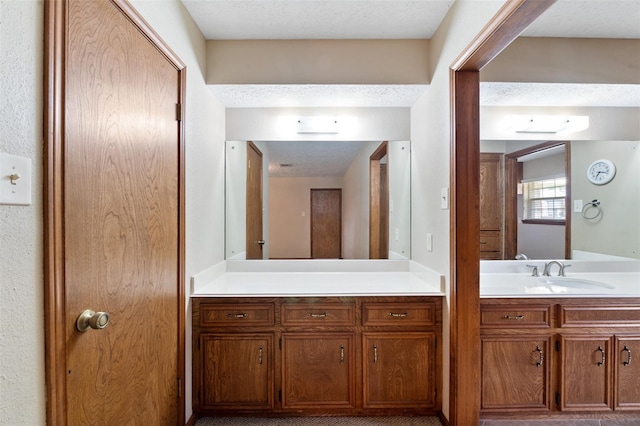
341, 354
260, 355
375, 354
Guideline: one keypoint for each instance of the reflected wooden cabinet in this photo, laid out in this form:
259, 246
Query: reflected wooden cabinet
491, 206
560, 355
322, 356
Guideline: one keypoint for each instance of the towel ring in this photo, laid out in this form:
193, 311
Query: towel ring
595, 205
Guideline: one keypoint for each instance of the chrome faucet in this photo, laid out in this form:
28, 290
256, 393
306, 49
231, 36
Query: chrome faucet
561, 266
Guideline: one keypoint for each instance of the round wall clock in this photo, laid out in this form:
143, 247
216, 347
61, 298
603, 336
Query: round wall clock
601, 172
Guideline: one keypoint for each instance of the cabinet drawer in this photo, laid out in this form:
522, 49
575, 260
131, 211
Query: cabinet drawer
231, 315
490, 241
516, 316
384, 314
310, 314
599, 316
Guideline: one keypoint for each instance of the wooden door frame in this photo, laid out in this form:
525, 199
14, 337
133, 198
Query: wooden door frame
375, 213
464, 299
55, 24
248, 199
513, 173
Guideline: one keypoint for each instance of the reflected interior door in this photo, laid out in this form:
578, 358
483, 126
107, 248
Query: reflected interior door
254, 202
122, 224
326, 223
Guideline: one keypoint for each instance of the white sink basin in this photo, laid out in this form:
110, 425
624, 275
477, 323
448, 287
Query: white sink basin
573, 282
546, 285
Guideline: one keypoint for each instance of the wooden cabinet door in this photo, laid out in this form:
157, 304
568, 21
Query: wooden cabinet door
585, 374
318, 370
516, 373
237, 371
399, 370
627, 372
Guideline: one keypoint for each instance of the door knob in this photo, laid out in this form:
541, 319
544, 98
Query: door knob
90, 319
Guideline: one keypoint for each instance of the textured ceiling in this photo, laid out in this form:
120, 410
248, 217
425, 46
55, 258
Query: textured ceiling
317, 19
311, 158
258, 96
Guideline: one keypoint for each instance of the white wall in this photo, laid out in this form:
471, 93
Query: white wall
430, 144
22, 385
617, 231
355, 205
290, 215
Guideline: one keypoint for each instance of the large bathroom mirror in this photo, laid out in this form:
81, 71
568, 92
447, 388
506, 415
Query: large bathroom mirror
592, 80
318, 200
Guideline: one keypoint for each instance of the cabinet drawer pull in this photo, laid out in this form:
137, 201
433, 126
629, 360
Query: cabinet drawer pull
375, 354
628, 351
398, 315
541, 359
242, 315
323, 315
515, 317
341, 354
260, 355
601, 362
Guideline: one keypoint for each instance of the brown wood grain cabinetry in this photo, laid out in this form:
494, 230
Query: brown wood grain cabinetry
560, 355
321, 356
491, 205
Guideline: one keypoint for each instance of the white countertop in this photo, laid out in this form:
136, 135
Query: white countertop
608, 284
583, 278
287, 280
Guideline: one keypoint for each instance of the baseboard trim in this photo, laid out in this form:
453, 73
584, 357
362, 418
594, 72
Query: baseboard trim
192, 420
443, 419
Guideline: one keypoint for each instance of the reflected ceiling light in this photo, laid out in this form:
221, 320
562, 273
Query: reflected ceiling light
325, 125
547, 123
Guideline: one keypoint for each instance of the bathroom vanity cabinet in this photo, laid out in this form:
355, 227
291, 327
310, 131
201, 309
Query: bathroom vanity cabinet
560, 355
316, 355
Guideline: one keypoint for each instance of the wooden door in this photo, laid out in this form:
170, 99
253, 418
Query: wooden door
237, 371
516, 373
254, 202
318, 370
585, 373
115, 221
399, 370
378, 204
326, 223
627, 372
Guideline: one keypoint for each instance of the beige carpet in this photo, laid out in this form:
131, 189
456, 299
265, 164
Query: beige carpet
320, 421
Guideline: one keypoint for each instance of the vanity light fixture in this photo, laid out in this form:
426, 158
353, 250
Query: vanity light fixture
323, 125
547, 123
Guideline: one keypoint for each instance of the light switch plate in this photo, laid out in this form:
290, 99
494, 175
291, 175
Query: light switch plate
429, 242
15, 180
577, 206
